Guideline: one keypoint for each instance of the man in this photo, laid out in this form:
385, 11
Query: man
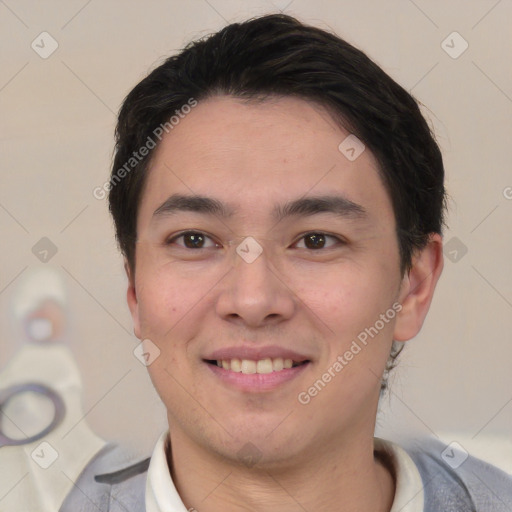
279, 202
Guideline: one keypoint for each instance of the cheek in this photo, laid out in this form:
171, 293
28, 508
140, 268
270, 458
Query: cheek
346, 298
158, 308
164, 299
167, 290
169, 305
347, 310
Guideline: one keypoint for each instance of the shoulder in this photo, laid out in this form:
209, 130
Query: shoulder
454, 480
114, 480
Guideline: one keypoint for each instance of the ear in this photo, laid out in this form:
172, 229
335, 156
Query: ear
131, 298
417, 288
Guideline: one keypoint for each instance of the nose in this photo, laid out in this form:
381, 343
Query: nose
255, 294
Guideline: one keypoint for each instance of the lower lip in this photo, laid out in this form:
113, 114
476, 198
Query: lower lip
257, 381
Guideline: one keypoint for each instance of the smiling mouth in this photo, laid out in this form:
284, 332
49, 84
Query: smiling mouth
248, 366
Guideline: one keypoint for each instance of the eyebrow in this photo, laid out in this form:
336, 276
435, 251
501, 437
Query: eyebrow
305, 206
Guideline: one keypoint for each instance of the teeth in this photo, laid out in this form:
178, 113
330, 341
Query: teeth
248, 366
236, 365
278, 364
264, 366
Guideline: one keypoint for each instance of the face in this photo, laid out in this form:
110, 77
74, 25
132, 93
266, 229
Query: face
261, 274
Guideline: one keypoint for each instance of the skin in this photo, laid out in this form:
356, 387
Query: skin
190, 301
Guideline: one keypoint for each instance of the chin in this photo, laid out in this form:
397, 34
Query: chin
263, 448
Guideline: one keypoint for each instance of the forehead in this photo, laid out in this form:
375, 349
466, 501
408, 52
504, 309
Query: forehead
256, 155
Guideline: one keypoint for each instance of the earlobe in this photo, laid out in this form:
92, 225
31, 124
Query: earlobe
131, 299
418, 287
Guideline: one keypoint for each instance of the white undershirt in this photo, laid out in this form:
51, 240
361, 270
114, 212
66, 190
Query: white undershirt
162, 496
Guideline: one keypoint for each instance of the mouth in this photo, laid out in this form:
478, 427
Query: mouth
256, 375
261, 366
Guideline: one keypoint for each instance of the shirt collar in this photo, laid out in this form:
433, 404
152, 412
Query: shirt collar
161, 493
162, 496
409, 496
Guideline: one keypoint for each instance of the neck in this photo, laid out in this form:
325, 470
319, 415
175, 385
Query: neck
346, 474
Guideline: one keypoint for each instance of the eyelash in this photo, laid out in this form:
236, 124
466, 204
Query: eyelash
171, 240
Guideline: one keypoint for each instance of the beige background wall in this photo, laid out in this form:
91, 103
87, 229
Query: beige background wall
57, 120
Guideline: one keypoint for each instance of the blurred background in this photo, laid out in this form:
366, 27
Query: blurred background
66, 67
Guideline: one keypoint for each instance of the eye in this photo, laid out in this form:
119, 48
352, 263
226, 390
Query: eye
192, 240
317, 240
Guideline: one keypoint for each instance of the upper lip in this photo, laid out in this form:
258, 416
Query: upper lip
256, 353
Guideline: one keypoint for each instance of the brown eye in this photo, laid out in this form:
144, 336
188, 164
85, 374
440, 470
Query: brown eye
192, 240
317, 241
